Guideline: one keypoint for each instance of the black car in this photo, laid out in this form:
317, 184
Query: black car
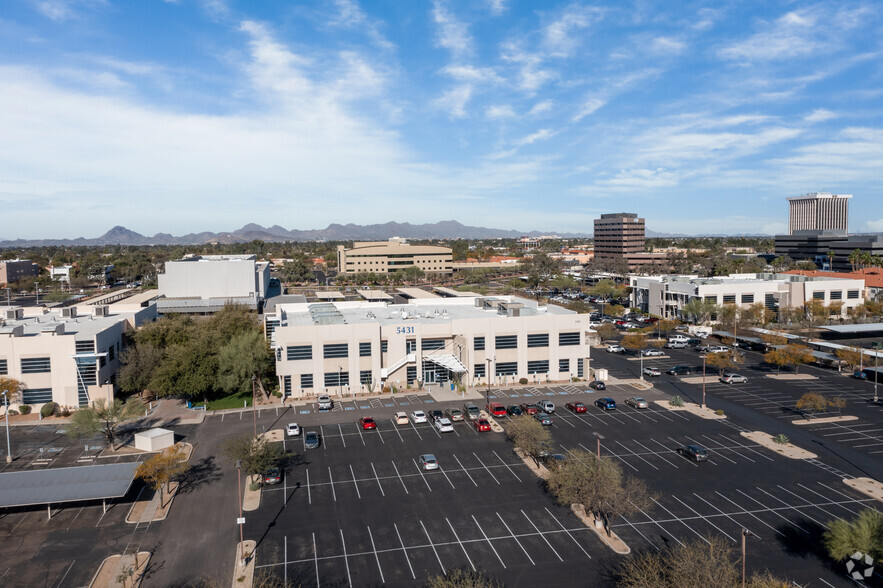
598, 385
693, 452
514, 411
311, 440
680, 370
434, 415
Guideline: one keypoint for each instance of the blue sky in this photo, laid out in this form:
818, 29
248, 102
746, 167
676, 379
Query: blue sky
204, 115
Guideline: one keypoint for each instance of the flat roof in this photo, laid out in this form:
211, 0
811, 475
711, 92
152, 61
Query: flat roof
861, 328
66, 484
84, 326
374, 295
330, 295
416, 293
450, 292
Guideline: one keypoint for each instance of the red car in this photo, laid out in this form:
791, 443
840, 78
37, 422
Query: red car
482, 425
576, 407
367, 423
496, 409
530, 408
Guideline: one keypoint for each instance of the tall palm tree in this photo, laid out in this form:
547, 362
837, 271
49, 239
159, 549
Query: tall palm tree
854, 258
830, 255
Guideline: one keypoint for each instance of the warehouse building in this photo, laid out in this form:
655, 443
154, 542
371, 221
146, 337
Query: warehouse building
364, 346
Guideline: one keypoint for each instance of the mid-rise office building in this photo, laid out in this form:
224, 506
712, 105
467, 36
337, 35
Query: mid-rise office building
666, 296
70, 355
205, 283
819, 211
13, 270
621, 236
359, 347
395, 255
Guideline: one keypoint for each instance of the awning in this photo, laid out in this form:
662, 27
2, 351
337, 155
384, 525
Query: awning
447, 361
66, 484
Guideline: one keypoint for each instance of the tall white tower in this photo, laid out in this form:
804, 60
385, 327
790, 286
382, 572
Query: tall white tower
819, 211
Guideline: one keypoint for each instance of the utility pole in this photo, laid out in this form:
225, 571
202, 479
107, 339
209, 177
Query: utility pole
703, 381
241, 520
6, 416
254, 408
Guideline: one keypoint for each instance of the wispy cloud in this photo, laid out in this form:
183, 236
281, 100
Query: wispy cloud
541, 107
452, 34
589, 106
667, 46
62, 10
532, 75
351, 16
497, 7
469, 73
558, 36
454, 101
499, 111
820, 115
540, 135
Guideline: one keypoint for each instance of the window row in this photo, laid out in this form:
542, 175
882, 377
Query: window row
533, 340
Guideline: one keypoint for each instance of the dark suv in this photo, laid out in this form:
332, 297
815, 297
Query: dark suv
680, 370
693, 452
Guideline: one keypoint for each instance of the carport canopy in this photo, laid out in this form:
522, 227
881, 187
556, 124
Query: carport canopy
72, 484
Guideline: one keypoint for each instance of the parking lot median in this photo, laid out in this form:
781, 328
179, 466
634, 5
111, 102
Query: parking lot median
705, 413
867, 486
495, 426
783, 449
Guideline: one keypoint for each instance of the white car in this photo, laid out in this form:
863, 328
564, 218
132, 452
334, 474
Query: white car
418, 416
325, 402
444, 425
428, 462
615, 349
401, 418
652, 353
718, 349
651, 371
293, 429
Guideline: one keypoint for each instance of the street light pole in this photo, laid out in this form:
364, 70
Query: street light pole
487, 396
703, 381
745, 534
642, 364
6, 417
876, 354
240, 521
599, 437
254, 408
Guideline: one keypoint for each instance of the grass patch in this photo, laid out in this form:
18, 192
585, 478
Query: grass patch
233, 401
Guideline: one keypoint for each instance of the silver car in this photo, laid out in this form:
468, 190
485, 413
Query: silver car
428, 462
730, 378
637, 402
444, 425
651, 371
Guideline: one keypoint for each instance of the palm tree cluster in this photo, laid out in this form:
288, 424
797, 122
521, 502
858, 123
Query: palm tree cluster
859, 259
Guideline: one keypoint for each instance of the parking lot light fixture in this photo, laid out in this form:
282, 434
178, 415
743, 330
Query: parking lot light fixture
703, 381
745, 534
254, 405
641, 353
487, 396
6, 417
240, 520
877, 347
599, 436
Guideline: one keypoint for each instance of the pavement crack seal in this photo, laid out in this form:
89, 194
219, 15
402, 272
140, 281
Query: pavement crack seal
784, 449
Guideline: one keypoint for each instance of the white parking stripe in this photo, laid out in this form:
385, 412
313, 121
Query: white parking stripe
342, 438
744, 511
465, 471
670, 450
725, 514
638, 456
309, 496
594, 451
359, 429
419, 469
543, 536
568, 533
488, 542
356, 484
749, 448
681, 521
830, 514
433, 549
322, 432
400, 477
463, 547
415, 429
704, 519
345, 560
507, 467
379, 485
661, 456
405, 549
330, 477
717, 453
486, 468
396, 429
442, 470
516, 540
316, 559
797, 508
376, 556
377, 430
778, 514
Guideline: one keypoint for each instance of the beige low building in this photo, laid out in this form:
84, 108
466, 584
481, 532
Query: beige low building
70, 355
386, 257
353, 347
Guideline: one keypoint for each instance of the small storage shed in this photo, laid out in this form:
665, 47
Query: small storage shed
154, 439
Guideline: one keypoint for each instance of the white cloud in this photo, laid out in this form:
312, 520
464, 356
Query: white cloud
497, 7
350, 15
452, 34
540, 135
541, 107
62, 10
667, 46
468, 73
589, 106
875, 225
531, 75
820, 115
558, 37
498, 111
454, 101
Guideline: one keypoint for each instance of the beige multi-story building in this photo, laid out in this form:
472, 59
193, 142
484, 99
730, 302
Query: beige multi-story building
70, 355
819, 211
666, 296
12, 270
621, 236
386, 257
358, 347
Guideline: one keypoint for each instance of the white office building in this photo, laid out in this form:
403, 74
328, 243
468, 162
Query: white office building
205, 283
819, 211
665, 296
360, 347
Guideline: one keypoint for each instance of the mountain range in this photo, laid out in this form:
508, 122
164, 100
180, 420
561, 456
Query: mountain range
333, 232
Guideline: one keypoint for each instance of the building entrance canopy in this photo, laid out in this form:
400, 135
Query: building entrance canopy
447, 361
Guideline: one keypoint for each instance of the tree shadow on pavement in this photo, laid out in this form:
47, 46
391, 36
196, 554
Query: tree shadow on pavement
205, 471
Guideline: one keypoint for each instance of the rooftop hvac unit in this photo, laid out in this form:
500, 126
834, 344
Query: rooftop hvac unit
69, 312
479, 302
101, 310
14, 314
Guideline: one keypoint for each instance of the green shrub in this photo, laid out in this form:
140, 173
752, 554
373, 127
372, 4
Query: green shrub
24, 409
277, 393
65, 412
522, 381
781, 439
255, 486
677, 401
719, 412
48, 409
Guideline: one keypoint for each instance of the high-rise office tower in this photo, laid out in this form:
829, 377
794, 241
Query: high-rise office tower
819, 211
